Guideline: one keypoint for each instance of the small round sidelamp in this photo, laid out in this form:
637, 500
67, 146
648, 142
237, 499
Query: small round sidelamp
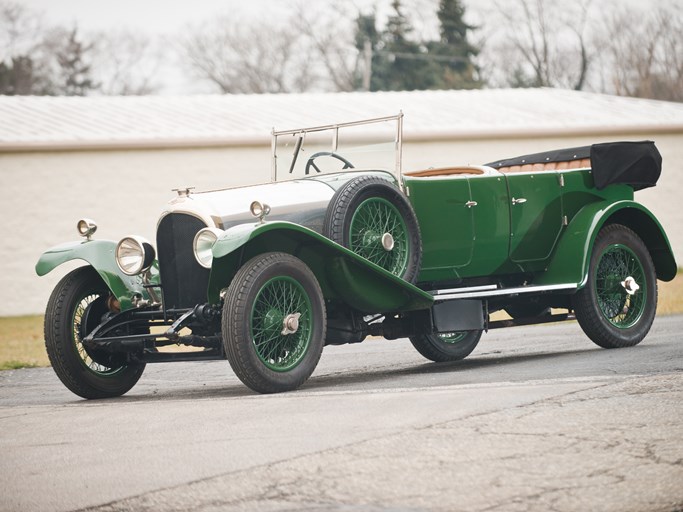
134, 255
203, 243
259, 210
86, 227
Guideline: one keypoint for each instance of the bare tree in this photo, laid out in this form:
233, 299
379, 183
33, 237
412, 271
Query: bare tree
647, 59
240, 57
125, 63
23, 55
71, 60
540, 43
20, 30
331, 36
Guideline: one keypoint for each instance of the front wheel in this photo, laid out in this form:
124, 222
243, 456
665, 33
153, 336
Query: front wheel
442, 348
75, 308
617, 306
273, 323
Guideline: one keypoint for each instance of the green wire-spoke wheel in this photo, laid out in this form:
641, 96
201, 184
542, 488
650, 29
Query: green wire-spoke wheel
85, 318
617, 306
273, 323
281, 323
452, 346
620, 297
75, 308
452, 338
371, 217
379, 234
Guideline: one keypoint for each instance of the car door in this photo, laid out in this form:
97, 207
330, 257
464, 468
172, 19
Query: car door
535, 203
489, 200
445, 216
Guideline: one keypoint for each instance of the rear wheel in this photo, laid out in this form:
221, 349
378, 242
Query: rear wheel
273, 323
452, 346
617, 306
371, 217
75, 308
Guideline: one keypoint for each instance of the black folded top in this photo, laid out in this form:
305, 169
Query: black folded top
638, 164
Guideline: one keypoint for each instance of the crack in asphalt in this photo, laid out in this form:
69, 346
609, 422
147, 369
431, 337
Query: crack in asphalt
282, 490
613, 443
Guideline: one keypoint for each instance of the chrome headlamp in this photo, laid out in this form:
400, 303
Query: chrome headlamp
203, 243
134, 255
86, 227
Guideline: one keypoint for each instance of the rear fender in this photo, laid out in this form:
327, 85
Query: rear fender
570, 262
342, 274
99, 254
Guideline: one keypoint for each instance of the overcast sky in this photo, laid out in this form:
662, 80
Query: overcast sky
168, 18
160, 16
165, 19
164, 16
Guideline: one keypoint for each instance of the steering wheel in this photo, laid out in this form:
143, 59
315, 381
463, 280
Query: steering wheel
311, 161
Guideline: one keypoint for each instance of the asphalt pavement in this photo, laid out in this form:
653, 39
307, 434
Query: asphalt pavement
537, 418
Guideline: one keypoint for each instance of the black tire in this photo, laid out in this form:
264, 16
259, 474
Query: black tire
607, 313
345, 224
74, 309
442, 348
257, 307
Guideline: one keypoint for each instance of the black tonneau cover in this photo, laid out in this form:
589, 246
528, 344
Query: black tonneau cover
638, 164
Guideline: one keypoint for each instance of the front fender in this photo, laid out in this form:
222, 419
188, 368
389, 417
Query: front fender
342, 274
570, 262
100, 255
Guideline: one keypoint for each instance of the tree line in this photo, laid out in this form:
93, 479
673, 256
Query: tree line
584, 45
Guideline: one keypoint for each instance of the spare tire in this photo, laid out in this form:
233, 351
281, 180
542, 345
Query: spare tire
370, 216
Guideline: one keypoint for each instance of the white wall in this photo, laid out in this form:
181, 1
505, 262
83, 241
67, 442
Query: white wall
45, 193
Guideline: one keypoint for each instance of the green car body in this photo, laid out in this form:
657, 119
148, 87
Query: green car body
427, 254
551, 235
99, 254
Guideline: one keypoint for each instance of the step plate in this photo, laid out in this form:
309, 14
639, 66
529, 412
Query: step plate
484, 291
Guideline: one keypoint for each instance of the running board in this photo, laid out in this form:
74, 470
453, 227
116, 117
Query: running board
476, 292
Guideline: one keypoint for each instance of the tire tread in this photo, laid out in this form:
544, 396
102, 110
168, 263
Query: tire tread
337, 211
239, 351
59, 344
428, 345
589, 317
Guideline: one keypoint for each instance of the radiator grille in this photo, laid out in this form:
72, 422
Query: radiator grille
184, 281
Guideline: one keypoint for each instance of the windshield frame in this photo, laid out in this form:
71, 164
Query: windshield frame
334, 128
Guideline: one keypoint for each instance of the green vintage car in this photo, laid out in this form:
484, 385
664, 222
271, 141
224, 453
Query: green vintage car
342, 244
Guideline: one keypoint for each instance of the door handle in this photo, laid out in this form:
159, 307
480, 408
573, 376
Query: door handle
470, 204
521, 200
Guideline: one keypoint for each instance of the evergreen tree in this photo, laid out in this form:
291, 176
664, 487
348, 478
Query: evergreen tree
400, 63
367, 43
74, 71
20, 77
453, 53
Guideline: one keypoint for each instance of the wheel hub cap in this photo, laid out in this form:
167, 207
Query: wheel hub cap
622, 301
290, 324
630, 285
378, 233
387, 241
